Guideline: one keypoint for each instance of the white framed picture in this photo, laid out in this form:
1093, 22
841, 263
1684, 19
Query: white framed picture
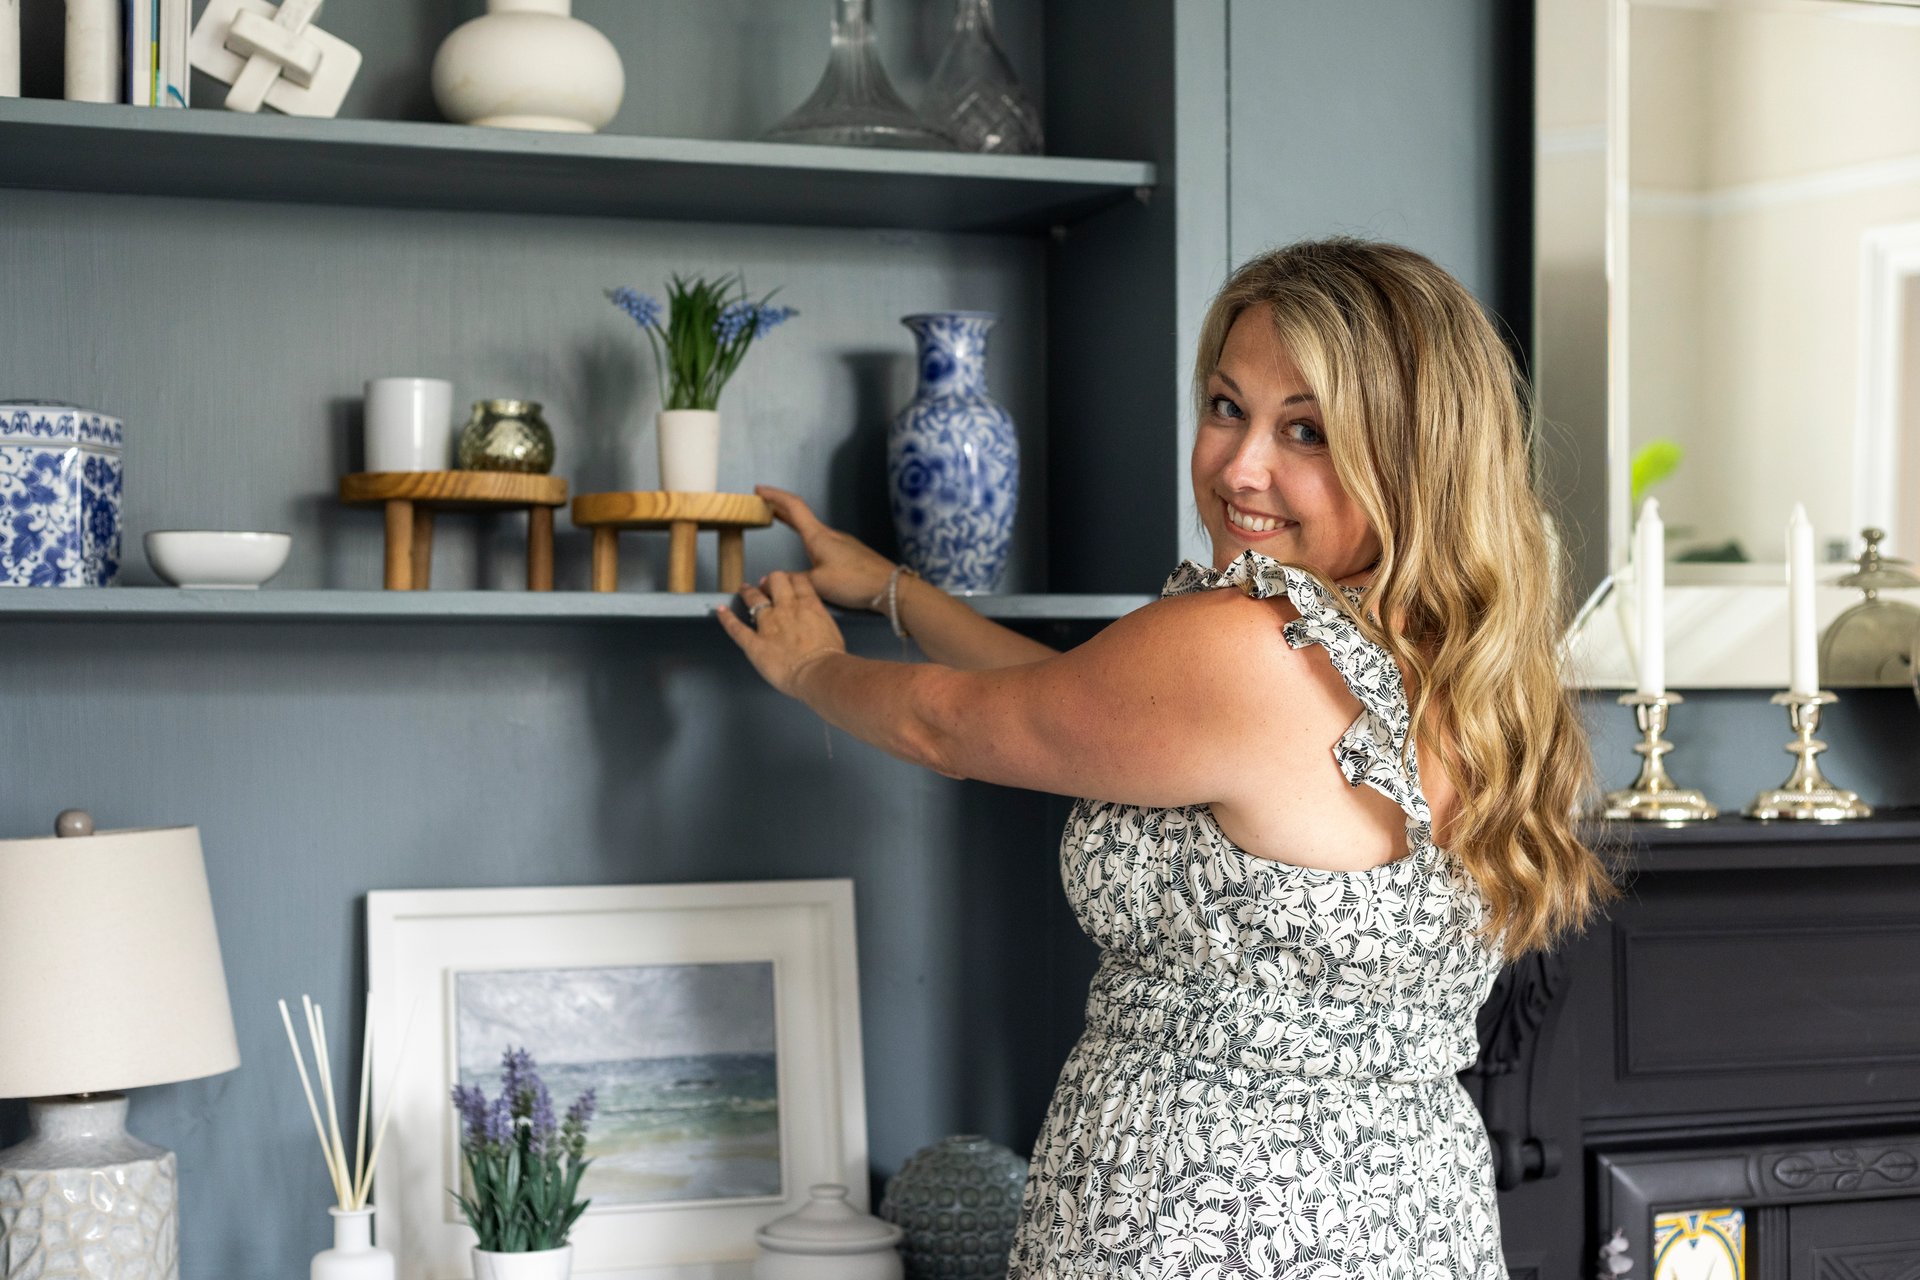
719, 1025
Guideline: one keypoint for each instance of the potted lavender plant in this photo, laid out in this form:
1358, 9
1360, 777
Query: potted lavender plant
699, 338
522, 1183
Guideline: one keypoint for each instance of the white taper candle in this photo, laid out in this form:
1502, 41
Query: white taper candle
93, 51
1650, 576
9, 48
1803, 652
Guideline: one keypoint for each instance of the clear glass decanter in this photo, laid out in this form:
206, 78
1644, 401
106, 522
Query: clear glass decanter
855, 105
974, 95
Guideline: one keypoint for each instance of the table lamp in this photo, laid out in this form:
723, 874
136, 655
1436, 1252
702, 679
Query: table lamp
110, 979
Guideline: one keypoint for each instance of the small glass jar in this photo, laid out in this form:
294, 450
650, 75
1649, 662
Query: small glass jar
506, 435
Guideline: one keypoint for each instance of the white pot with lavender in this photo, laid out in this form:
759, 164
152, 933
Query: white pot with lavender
521, 1167
699, 339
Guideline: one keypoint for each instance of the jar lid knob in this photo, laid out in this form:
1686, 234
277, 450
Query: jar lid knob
73, 822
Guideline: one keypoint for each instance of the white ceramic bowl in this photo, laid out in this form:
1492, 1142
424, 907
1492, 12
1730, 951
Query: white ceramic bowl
216, 558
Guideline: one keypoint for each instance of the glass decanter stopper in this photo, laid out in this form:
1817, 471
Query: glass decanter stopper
855, 105
974, 94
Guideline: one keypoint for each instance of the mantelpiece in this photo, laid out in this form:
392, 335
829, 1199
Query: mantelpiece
1742, 1028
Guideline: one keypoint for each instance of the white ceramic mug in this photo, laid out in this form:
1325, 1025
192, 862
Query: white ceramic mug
409, 424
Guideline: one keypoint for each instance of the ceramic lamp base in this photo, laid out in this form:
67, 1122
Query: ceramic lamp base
82, 1197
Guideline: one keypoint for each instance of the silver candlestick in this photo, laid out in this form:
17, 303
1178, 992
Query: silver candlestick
1806, 794
1653, 797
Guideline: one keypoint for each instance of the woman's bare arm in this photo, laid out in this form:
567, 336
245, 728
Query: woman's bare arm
1155, 710
949, 631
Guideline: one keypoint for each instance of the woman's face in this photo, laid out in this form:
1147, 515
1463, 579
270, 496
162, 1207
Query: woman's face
1262, 474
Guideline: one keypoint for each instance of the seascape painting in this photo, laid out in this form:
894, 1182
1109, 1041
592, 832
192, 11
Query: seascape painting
682, 1058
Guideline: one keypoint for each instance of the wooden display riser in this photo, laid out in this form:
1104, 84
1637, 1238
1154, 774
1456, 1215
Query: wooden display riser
683, 516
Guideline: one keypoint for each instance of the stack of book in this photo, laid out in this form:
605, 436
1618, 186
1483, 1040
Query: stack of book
156, 51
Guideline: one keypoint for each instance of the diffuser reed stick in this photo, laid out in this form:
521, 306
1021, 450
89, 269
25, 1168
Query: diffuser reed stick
352, 1180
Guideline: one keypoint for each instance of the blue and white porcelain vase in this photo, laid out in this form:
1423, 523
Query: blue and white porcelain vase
60, 479
953, 460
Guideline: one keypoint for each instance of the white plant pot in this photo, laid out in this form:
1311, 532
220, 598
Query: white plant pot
689, 450
547, 1264
529, 64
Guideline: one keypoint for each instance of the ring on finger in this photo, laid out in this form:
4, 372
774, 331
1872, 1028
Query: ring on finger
754, 611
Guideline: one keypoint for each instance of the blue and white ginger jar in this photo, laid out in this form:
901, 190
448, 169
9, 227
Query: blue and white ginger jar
60, 488
953, 460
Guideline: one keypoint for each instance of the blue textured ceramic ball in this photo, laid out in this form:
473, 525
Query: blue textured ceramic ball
958, 1201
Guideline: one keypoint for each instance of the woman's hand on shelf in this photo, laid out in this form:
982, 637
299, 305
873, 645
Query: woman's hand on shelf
846, 571
787, 629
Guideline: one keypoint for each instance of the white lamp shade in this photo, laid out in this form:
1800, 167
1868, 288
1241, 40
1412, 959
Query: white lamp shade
110, 973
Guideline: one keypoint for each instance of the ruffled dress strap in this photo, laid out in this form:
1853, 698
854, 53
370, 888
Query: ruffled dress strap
1370, 750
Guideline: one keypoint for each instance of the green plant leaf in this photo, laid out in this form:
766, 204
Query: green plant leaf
1652, 462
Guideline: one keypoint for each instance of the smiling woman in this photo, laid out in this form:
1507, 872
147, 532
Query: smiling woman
1298, 924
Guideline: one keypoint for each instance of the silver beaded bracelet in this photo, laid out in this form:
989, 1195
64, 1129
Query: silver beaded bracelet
891, 597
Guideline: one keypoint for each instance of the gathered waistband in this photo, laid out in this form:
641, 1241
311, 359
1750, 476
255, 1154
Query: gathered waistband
1215, 1037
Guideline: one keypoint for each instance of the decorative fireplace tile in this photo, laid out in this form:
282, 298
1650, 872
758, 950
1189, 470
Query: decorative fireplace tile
1700, 1244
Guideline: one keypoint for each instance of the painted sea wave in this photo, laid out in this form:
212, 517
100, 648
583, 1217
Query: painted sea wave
700, 1127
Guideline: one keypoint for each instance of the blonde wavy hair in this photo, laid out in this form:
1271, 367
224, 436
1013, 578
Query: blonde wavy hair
1426, 419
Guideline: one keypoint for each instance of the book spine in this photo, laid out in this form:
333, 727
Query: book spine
175, 15
140, 53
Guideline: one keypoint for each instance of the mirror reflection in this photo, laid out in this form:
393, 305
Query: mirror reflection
1773, 271
1727, 263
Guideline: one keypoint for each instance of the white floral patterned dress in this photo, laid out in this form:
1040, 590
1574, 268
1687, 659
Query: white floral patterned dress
1265, 1087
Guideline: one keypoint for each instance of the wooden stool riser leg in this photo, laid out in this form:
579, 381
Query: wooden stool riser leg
681, 549
422, 558
606, 559
733, 559
399, 565
540, 548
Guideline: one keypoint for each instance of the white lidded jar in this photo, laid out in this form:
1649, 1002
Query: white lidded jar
828, 1239
529, 64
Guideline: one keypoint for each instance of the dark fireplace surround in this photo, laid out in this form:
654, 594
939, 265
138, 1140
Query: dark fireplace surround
1743, 1029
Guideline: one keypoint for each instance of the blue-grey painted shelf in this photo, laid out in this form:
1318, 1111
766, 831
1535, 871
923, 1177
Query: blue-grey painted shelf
75, 146
136, 604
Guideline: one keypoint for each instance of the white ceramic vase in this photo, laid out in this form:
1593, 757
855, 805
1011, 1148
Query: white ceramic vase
689, 450
529, 64
353, 1256
547, 1264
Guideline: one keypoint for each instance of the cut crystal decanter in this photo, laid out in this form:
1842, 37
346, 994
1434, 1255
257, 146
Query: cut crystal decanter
974, 94
855, 104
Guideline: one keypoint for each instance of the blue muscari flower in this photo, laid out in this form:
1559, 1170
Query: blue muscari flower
766, 318
580, 1114
734, 319
644, 308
